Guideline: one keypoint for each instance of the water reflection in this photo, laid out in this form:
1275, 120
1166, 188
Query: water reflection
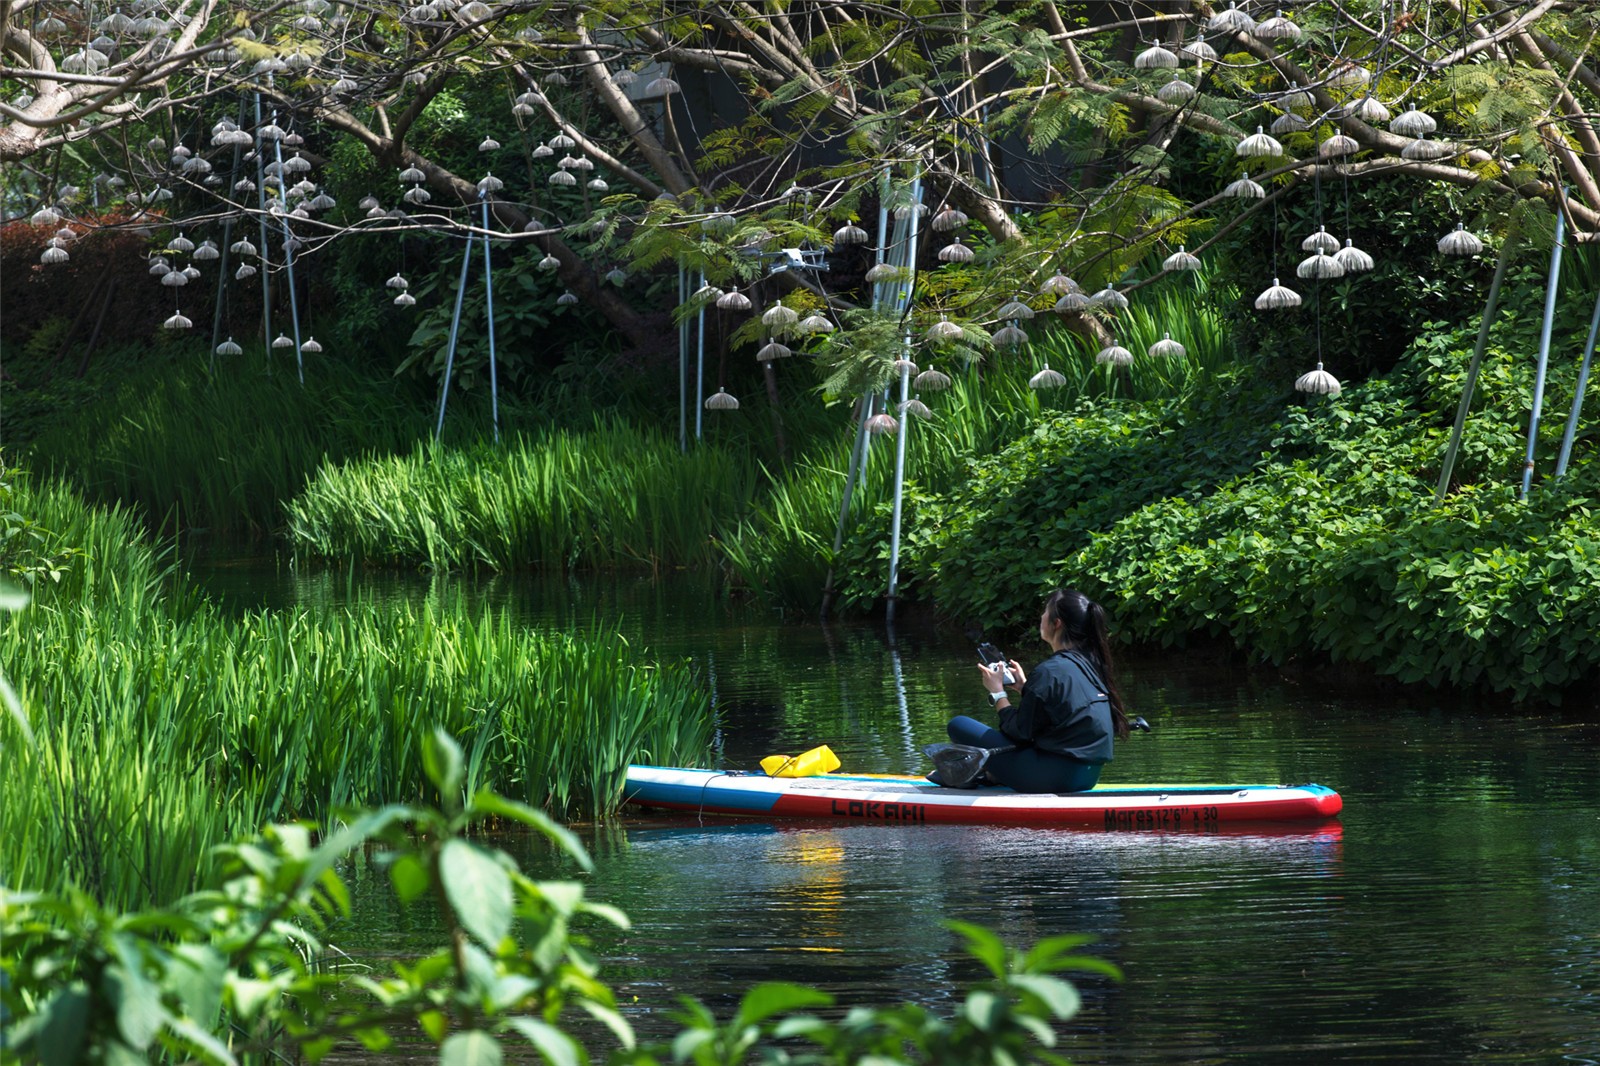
1449, 917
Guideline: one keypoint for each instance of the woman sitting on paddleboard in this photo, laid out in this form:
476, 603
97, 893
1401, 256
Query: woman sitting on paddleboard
1060, 727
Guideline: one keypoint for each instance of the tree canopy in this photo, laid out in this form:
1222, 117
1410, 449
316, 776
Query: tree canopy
1037, 146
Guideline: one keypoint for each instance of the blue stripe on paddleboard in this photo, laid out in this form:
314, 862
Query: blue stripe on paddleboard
697, 794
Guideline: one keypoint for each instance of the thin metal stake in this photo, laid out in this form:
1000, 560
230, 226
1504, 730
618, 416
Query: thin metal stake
903, 301
488, 285
683, 362
700, 365
1448, 467
1544, 345
1577, 399
450, 351
266, 262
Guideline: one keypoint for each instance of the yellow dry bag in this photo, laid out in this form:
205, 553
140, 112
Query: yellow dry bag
819, 760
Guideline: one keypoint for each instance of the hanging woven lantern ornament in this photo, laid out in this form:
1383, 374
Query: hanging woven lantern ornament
916, 408
1353, 259
1231, 21
1277, 297
1176, 92
397, 283
882, 272
1009, 337
1348, 75
228, 347
882, 424
814, 323
949, 220
1047, 379
943, 332
625, 77
1371, 111
1413, 123
1155, 58
1058, 285
1423, 150
45, 216
733, 301
1114, 355
705, 294
180, 243
932, 380
174, 279
779, 318
1278, 28
412, 176
1288, 123
561, 142
1320, 265
1014, 309
555, 77
207, 251
177, 321
1320, 241
848, 234
1181, 260
772, 350
1109, 298
1167, 348
548, 263
53, 254
405, 299
1318, 382
1337, 146
488, 144
1258, 145
1073, 303
489, 183
721, 401
616, 276
718, 223
955, 253
905, 211
1460, 242
562, 177
1198, 50
311, 347
905, 366
1244, 189
245, 271
416, 195
662, 86
297, 164
1296, 99
282, 341
567, 299
544, 151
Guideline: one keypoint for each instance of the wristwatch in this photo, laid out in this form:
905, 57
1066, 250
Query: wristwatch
996, 697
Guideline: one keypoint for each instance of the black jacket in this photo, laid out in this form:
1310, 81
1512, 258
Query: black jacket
1064, 709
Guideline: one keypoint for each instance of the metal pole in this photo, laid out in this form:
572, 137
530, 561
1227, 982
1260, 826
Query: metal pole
700, 365
903, 300
266, 263
1544, 345
1448, 467
1577, 399
683, 362
488, 287
288, 251
450, 351
222, 268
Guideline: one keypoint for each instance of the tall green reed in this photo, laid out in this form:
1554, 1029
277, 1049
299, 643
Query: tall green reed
610, 497
223, 451
163, 727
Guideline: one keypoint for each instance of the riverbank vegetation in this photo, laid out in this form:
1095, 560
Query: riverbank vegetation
163, 727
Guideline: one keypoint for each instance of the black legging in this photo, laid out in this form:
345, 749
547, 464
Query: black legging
1025, 769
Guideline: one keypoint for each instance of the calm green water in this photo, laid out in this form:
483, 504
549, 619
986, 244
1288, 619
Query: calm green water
1452, 916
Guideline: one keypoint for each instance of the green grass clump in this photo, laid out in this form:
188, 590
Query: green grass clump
223, 451
163, 727
609, 497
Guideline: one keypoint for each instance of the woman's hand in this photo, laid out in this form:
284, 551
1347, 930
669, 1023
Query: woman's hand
1016, 672
993, 676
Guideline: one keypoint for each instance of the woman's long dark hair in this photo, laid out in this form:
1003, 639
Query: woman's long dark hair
1084, 625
